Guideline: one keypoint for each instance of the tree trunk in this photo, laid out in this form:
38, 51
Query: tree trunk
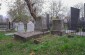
32, 11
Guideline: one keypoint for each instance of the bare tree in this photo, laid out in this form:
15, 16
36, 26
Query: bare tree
56, 7
18, 9
81, 7
33, 6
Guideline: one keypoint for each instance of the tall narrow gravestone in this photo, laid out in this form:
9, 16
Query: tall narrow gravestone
84, 10
74, 18
44, 24
16, 26
48, 23
30, 26
21, 27
83, 21
38, 24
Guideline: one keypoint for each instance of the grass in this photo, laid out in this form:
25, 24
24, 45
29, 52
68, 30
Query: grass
49, 45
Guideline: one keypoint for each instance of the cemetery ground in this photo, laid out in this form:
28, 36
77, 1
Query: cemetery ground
48, 45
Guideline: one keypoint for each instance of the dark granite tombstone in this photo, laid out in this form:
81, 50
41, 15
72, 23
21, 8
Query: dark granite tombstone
82, 25
74, 18
84, 20
48, 23
9, 25
84, 10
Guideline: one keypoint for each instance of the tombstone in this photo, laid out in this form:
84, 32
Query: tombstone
9, 24
44, 24
38, 24
48, 23
30, 26
21, 27
16, 26
83, 21
57, 27
74, 18
82, 24
84, 10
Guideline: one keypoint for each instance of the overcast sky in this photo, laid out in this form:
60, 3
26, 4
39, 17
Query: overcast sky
67, 3
70, 3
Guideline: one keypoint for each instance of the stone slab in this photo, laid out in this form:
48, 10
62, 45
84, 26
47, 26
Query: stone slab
28, 35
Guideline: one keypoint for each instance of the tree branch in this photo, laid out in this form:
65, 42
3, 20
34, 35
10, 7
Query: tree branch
30, 6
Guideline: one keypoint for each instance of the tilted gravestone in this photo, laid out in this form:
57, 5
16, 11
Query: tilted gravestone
57, 26
74, 18
30, 26
21, 27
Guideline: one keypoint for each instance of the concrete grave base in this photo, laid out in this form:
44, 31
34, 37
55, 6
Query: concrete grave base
28, 35
60, 33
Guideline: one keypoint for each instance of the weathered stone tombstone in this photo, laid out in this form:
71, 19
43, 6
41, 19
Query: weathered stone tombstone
30, 26
41, 24
38, 24
21, 27
44, 24
16, 26
57, 26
